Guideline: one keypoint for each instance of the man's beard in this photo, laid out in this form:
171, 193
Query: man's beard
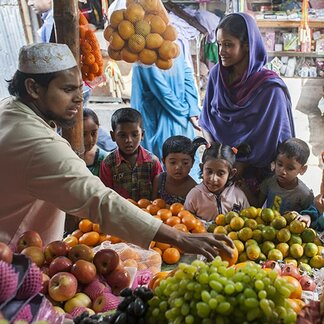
59, 121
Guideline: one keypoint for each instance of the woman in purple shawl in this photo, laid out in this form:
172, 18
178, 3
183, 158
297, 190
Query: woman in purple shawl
245, 102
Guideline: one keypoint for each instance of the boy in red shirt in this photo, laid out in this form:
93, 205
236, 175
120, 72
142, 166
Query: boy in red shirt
130, 169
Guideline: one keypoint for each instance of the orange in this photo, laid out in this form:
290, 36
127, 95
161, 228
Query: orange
158, 250
114, 239
134, 12
153, 260
142, 28
231, 260
153, 209
155, 281
171, 256
96, 227
164, 214
176, 208
103, 238
294, 305
189, 221
183, 213
144, 209
152, 244
129, 253
162, 246
89, 238
128, 56
167, 50
173, 220
71, 240
220, 220
181, 227
159, 202
136, 43
115, 55
126, 29
108, 32
297, 292
116, 17
132, 201
130, 263
77, 233
155, 216
153, 41
143, 203
85, 225
163, 64
116, 42
199, 229
157, 25
170, 33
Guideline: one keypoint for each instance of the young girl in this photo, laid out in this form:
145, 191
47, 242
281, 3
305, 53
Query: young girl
217, 194
93, 155
178, 158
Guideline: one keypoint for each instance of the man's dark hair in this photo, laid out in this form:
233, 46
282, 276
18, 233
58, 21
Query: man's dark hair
17, 86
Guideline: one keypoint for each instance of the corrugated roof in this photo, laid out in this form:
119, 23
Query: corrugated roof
12, 37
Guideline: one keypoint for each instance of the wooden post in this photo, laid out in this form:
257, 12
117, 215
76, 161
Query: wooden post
24, 13
66, 17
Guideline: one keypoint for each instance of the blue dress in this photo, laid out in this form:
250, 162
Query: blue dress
166, 100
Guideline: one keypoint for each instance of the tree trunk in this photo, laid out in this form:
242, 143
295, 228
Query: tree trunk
66, 17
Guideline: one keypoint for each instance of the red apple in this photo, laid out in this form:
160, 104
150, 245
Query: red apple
28, 238
118, 280
45, 281
5, 253
84, 271
307, 283
35, 253
79, 299
106, 261
59, 264
80, 251
62, 286
54, 250
290, 270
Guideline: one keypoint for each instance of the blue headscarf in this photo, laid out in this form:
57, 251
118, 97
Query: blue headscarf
255, 109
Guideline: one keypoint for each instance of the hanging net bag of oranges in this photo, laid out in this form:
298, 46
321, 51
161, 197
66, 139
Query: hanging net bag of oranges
91, 59
140, 31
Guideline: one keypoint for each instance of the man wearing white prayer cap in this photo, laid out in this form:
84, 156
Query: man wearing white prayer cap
41, 176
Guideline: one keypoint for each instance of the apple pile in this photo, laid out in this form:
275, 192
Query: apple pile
75, 279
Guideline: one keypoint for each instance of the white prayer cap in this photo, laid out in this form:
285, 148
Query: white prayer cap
45, 58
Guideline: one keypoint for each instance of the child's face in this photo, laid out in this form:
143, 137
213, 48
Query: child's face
287, 170
178, 165
90, 133
128, 137
215, 174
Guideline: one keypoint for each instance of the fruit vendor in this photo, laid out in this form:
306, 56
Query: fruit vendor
41, 176
245, 102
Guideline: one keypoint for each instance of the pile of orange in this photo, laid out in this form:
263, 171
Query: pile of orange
89, 234
175, 216
91, 59
142, 32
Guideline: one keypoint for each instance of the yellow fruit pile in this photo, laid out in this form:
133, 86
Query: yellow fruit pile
261, 234
91, 58
142, 32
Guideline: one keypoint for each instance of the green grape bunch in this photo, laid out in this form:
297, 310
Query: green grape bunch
213, 293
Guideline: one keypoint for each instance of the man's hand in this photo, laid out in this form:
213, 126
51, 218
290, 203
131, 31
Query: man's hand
319, 203
305, 219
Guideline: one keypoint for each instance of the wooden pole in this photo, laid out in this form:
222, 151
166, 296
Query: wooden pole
66, 17
24, 13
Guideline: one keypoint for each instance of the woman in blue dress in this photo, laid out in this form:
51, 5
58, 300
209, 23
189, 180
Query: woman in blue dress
168, 102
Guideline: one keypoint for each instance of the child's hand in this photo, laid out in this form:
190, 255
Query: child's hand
304, 218
319, 203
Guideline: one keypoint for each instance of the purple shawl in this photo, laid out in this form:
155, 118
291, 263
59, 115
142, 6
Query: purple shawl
255, 110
